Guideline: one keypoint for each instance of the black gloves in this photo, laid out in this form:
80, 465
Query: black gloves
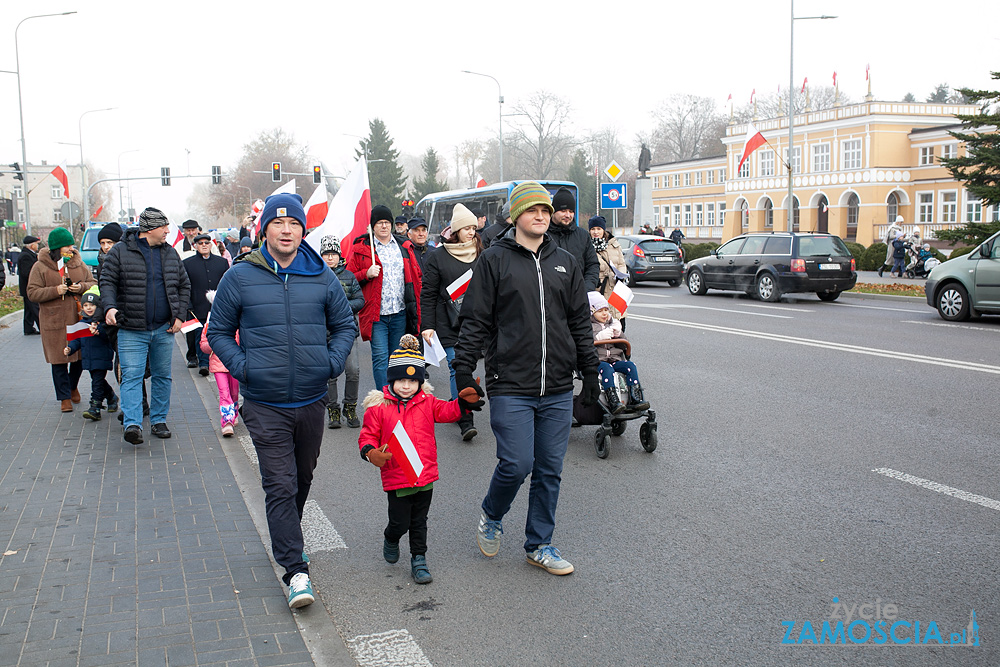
469, 392
591, 389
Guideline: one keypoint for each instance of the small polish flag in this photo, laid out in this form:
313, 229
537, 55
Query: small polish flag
316, 207
753, 141
97, 212
190, 325
621, 297
60, 174
804, 82
78, 330
481, 183
405, 454
753, 94
61, 266
730, 98
457, 288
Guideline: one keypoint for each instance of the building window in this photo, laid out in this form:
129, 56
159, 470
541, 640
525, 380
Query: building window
891, 208
766, 163
56, 215
796, 159
698, 219
687, 215
851, 154
744, 214
19, 191
949, 151
677, 215
722, 213
925, 207
687, 178
973, 208
57, 192
677, 180
795, 214
710, 212
768, 214
710, 174
949, 206
697, 178
821, 157
744, 171
722, 175
656, 216
853, 208
20, 216
926, 156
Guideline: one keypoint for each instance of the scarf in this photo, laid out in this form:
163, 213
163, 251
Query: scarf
463, 252
600, 245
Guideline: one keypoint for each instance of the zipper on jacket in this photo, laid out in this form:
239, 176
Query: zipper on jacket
291, 344
541, 298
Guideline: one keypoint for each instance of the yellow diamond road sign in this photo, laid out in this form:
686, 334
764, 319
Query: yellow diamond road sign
614, 171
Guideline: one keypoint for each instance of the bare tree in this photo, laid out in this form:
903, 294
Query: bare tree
470, 157
542, 141
687, 126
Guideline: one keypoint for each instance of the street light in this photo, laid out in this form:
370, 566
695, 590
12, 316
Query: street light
20, 109
249, 194
121, 207
791, 105
465, 71
364, 142
83, 168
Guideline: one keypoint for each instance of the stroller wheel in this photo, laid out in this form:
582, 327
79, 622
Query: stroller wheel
618, 427
647, 436
602, 443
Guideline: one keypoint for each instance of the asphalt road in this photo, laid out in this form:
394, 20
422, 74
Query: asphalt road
760, 506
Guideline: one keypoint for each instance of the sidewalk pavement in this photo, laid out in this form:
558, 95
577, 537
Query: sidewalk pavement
122, 555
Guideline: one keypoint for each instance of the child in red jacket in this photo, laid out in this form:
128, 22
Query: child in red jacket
401, 419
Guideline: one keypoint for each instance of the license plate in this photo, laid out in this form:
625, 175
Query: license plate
664, 259
829, 267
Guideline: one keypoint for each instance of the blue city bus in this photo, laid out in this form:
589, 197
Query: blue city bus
436, 208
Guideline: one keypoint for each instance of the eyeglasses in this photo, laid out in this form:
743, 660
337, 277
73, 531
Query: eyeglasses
203, 243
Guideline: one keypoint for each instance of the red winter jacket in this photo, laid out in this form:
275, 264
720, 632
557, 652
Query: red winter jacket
383, 411
360, 262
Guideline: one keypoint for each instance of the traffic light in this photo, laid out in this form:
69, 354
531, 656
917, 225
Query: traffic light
18, 176
317, 174
276, 172
164, 175
216, 175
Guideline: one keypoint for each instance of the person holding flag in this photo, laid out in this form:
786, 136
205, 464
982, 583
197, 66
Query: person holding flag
447, 274
606, 327
89, 337
55, 283
397, 437
609, 254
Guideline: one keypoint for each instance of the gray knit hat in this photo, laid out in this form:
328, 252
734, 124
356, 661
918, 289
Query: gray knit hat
329, 244
152, 218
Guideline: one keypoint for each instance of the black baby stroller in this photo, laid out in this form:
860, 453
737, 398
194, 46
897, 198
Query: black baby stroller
611, 424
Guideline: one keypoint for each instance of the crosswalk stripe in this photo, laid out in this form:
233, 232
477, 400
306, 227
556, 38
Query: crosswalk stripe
395, 648
317, 531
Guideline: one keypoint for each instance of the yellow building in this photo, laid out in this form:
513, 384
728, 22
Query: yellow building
855, 168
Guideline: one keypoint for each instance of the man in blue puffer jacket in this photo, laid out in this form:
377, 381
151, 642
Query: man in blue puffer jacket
282, 300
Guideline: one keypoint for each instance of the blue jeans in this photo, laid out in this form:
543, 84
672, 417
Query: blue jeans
134, 347
385, 338
450, 352
607, 372
532, 434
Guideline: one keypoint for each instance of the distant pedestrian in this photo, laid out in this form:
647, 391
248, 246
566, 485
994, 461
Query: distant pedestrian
898, 254
399, 228
677, 236
417, 240
233, 242
572, 238
611, 258
659, 231
204, 270
26, 260
13, 253
56, 282
246, 245
97, 355
329, 248
498, 228
890, 236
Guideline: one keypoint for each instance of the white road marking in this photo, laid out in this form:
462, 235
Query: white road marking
317, 531
794, 310
952, 325
829, 345
658, 296
940, 488
395, 648
683, 306
247, 442
894, 310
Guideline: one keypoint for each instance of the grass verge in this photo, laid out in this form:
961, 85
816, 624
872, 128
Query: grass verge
896, 289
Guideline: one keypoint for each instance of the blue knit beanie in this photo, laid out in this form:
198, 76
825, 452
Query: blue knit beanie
284, 205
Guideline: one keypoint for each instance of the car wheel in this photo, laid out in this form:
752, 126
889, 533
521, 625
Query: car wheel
673, 282
696, 283
828, 296
767, 288
632, 282
953, 302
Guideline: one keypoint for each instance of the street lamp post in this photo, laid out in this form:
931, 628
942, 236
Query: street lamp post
121, 206
249, 194
83, 168
20, 110
500, 136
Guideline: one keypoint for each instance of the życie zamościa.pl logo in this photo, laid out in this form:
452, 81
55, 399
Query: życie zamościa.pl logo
875, 624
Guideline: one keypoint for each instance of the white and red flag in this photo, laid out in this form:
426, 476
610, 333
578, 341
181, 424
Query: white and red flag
753, 141
804, 82
174, 234
834, 77
190, 325
457, 288
78, 330
61, 267
97, 212
730, 98
317, 207
481, 183
753, 95
405, 454
350, 212
867, 68
621, 297
287, 188
60, 173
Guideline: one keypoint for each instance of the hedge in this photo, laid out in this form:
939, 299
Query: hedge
698, 250
961, 250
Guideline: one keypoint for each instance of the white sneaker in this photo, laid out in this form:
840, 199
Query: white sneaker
300, 591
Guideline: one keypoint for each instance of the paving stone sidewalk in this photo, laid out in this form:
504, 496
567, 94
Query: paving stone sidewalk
122, 555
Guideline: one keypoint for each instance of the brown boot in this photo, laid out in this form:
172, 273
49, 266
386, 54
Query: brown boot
75, 396
67, 405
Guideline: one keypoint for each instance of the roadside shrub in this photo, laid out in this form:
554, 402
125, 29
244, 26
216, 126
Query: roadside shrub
872, 258
961, 250
698, 250
857, 250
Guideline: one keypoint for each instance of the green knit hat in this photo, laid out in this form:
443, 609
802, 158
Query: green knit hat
525, 195
60, 238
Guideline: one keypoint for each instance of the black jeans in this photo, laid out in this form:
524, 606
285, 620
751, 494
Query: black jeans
287, 441
30, 316
100, 389
409, 513
66, 377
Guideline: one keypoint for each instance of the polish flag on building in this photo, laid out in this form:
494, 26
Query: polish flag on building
405, 454
78, 330
867, 68
190, 325
753, 141
804, 82
317, 207
457, 288
835, 77
287, 188
621, 297
753, 95
349, 212
60, 173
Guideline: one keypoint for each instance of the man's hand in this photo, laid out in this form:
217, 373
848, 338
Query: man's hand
109, 317
373, 271
591, 389
470, 394
378, 458
176, 326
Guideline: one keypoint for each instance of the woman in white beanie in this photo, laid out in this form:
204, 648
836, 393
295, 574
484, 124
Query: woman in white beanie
890, 236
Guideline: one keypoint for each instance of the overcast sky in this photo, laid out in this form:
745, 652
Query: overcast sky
208, 76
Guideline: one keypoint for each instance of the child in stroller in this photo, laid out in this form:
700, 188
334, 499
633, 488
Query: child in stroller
612, 358
925, 262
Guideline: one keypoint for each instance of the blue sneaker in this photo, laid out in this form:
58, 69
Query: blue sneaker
300, 591
305, 557
547, 557
390, 551
488, 535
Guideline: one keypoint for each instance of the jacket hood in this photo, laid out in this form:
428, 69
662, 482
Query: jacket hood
556, 228
46, 259
307, 261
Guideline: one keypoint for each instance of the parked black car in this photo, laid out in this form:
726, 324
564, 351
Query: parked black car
771, 264
652, 258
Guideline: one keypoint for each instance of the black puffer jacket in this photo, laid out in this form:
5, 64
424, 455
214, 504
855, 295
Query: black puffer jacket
124, 279
531, 314
204, 274
576, 241
438, 310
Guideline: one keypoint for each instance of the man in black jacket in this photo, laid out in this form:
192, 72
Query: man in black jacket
26, 260
204, 271
145, 292
574, 239
527, 306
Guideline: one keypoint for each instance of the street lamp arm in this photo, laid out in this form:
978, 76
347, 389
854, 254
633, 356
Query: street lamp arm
500, 94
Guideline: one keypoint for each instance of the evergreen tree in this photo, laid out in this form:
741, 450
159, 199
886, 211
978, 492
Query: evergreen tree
581, 172
429, 183
940, 94
385, 176
979, 168
909, 97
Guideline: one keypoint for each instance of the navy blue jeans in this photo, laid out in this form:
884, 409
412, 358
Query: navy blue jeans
607, 372
385, 339
532, 434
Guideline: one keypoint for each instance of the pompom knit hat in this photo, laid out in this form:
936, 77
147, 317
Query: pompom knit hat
329, 244
528, 194
406, 363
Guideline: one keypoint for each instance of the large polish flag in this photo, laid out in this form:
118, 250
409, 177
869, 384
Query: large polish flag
404, 453
78, 330
753, 141
60, 174
350, 212
317, 207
